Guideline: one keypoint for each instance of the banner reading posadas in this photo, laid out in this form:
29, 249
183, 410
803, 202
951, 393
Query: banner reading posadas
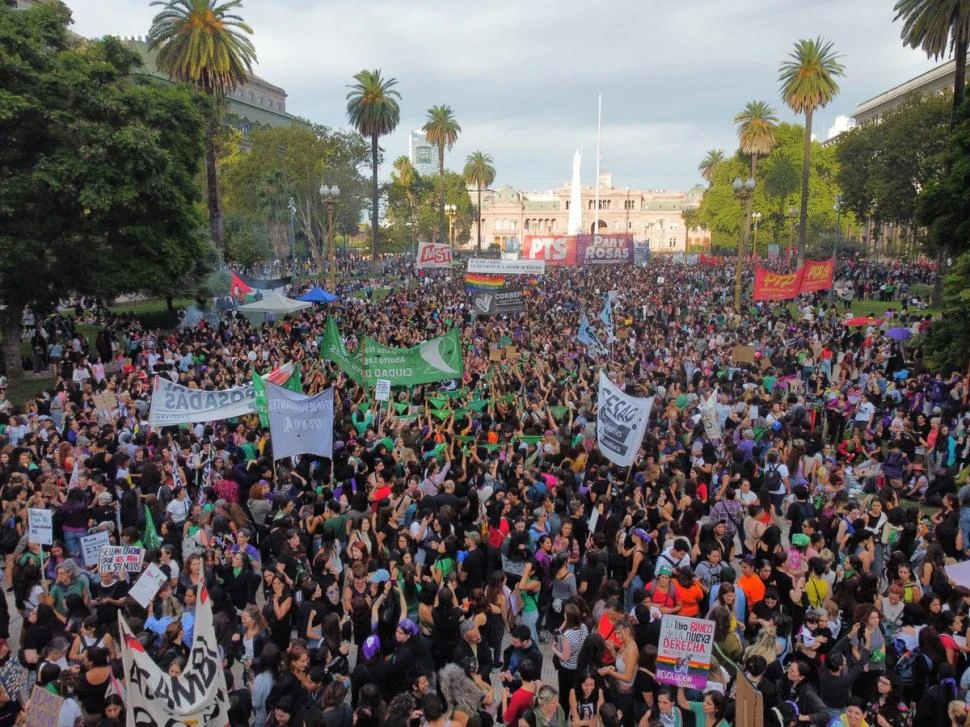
176, 404
769, 285
197, 697
433, 255
817, 275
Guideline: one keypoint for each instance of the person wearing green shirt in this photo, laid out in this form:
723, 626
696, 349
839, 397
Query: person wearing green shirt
446, 563
68, 580
708, 713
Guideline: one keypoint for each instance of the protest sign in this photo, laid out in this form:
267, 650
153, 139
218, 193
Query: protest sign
45, 708
147, 585
382, 391
498, 302
40, 526
743, 354
120, 559
298, 423
176, 404
91, 547
489, 266
684, 651
605, 249
433, 255
620, 422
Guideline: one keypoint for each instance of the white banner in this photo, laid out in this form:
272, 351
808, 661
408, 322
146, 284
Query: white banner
147, 585
621, 422
433, 255
489, 266
300, 424
712, 427
40, 525
91, 547
198, 697
176, 404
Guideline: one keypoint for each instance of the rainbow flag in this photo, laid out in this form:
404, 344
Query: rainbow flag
479, 281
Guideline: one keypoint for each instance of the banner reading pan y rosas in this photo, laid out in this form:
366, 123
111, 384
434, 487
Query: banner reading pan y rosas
176, 404
605, 249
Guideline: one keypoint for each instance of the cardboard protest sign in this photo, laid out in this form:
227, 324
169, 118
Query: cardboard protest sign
120, 559
40, 526
684, 651
91, 546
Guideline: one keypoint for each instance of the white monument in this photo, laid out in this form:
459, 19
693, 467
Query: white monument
574, 226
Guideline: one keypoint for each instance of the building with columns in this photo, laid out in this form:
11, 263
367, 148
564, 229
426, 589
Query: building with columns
653, 216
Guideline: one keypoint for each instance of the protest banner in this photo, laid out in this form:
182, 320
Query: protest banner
433, 255
743, 354
197, 697
769, 285
298, 423
120, 559
817, 275
553, 250
503, 266
605, 249
40, 526
382, 390
286, 375
91, 547
176, 404
147, 585
684, 651
45, 708
621, 422
499, 302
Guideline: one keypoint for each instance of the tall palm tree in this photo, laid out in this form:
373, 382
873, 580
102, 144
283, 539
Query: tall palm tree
756, 131
441, 128
408, 176
373, 110
204, 44
808, 83
937, 26
480, 171
709, 164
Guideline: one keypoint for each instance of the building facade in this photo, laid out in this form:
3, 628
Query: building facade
934, 81
656, 217
423, 154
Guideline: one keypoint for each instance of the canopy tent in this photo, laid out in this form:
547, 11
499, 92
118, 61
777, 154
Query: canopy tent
274, 302
316, 294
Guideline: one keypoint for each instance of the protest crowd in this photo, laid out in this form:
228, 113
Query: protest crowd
785, 533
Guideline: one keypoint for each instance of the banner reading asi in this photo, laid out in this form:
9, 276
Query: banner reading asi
300, 424
621, 422
196, 697
433, 255
176, 404
496, 303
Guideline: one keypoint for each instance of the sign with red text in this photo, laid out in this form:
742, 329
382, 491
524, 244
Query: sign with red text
817, 275
684, 651
433, 255
769, 285
605, 249
120, 559
554, 250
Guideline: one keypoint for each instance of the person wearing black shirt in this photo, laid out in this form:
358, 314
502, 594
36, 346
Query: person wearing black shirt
472, 570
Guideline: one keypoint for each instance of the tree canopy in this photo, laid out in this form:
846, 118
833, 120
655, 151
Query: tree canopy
91, 201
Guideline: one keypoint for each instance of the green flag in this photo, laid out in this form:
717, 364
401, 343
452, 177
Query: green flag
402, 406
528, 438
442, 414
461, 413
478, 404
437, 402
437, 359
332, 348
151, 539
559, 411
505, 341
407, 419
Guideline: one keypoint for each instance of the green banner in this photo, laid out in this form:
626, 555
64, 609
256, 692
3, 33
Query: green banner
437, 402
461, 413
402, 406
293, 383
559, 411
332, 348
442, 414
478, 404
528, 438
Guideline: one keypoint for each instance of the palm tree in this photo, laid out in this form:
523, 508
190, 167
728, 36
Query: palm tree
937, 26
373, 110
756, 131
479, 170
711, 160
441, 129
408, 176
808, 83
202, 43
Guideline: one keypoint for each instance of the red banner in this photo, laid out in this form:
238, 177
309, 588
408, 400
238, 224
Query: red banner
555, 250
817, 275
708, 260
776, 286
237, 288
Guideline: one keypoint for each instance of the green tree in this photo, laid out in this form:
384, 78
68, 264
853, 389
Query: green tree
756, 131
406, 178
808, 84
203, 44
948, 340
372, 108
709, 163
442, 129
91, 202
303, 156
939, 26
480, 172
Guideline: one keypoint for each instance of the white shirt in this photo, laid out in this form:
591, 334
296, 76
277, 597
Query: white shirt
178, 509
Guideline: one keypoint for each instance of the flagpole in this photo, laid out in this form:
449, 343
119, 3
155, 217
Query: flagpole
596, 205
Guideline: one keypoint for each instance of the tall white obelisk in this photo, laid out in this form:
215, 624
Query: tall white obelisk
574, 225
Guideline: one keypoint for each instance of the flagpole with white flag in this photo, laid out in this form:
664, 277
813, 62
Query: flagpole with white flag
596, 193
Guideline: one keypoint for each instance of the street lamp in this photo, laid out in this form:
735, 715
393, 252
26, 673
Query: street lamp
329, 195
743, 190
838, 237
756, 218
452, 212
291, 206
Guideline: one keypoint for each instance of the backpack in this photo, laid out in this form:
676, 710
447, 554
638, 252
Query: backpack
905, 668
772, 479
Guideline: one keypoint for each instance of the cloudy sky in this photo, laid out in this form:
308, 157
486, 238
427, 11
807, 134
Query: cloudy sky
523, 77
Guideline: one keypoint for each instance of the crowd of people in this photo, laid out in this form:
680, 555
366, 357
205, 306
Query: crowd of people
468, 555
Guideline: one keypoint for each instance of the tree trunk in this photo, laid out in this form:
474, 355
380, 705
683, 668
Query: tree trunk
478, 216
803, 215
212, 182
960, 73
10, 325
169, 304
442, 230
375, 198
748, 217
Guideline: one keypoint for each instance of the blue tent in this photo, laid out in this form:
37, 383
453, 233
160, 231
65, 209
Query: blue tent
316, 294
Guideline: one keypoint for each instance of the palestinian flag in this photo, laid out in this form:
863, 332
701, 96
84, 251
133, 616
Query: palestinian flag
238, 288
479, 281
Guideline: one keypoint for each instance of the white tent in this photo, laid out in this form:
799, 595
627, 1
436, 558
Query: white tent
274, 302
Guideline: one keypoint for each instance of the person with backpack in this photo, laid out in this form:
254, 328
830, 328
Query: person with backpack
775, 481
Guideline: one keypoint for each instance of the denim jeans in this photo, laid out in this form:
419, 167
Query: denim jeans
530, 619
636, 583
72, 540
